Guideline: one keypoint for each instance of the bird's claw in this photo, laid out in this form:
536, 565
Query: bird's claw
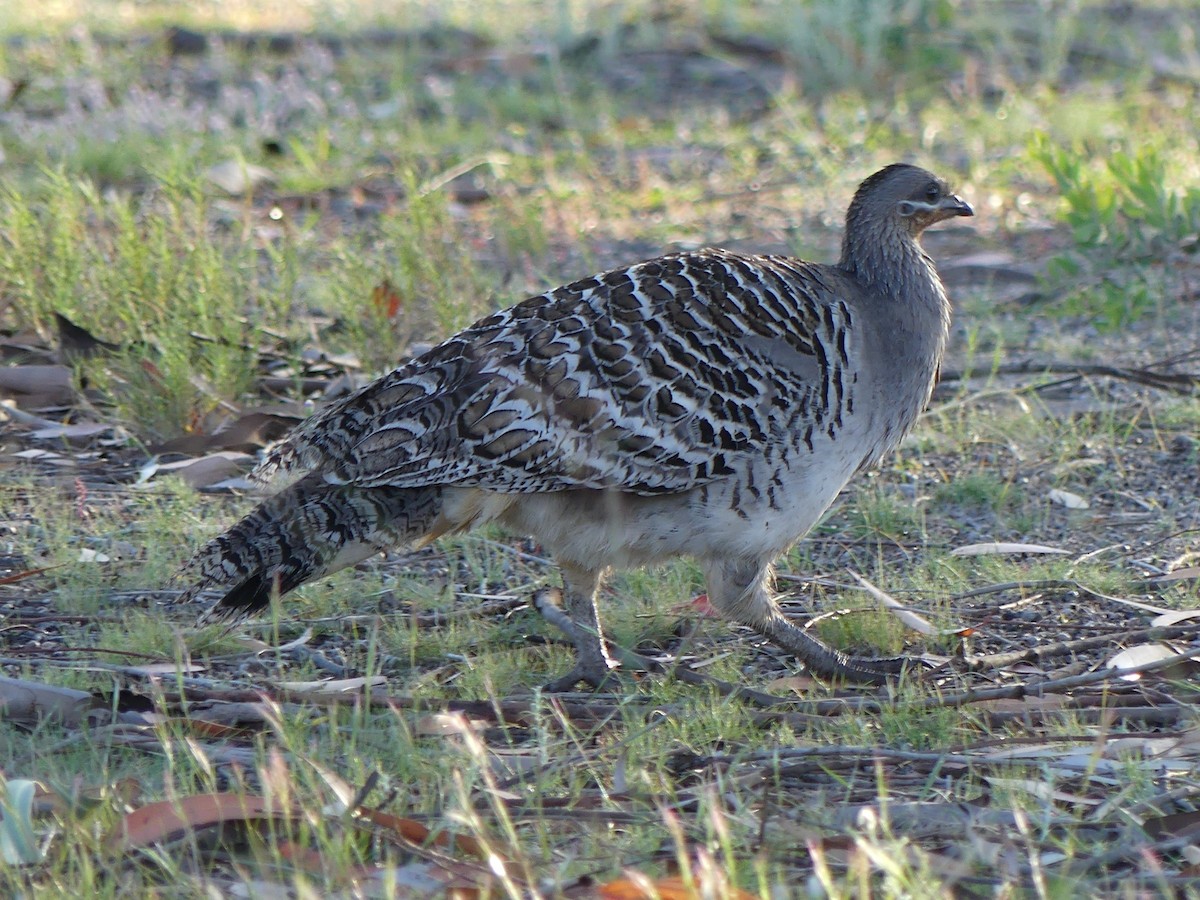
596, 677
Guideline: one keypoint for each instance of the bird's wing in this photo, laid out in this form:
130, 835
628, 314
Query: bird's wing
650, 379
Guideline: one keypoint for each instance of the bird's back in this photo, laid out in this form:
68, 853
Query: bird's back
652, 379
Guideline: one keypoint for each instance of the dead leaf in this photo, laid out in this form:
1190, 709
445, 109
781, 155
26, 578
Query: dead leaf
386, 299
440, 878
417, 833
338, 686
511, 763
309, 859
1002, 548
1042, 790
1174, 617
302, 640
1186, 573
1141, 655
895, 607
1173, 825
253, 644
75, 342
636, 886
166, 820
699, 605
50, 384
166, 668
200, 472
9, 412
75, 432
31, 701
802, 685
28, 573
1068, 499
44, 455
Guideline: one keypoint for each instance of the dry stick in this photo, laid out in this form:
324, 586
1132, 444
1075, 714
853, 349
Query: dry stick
1066, 648
1136, 852
426, 619
1174, 382
512, 712
77, 665
995, 660
517, 712
81, 736
840, 705
1147, 715
1055, 685
1044, 584
725, 689
796, 758
18, 619
47, 654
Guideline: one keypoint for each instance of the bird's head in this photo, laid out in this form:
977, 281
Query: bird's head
905, 197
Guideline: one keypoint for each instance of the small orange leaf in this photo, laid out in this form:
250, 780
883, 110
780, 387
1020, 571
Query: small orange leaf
386, 299
167, 819
28, 573
414, 831
671, 888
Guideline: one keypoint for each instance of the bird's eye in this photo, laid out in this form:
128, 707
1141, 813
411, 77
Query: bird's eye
933, 192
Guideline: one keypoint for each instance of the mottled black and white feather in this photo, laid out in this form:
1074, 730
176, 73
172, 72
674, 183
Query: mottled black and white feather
655, 378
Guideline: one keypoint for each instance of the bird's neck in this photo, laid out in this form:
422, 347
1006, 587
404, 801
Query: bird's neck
911, 316
895, 268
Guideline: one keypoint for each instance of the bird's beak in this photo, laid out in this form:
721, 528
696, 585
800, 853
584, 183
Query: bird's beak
954, 206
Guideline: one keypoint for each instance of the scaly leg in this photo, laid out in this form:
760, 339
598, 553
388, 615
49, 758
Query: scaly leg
741, 590
592, 662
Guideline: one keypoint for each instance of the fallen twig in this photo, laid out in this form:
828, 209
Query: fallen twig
1175, 382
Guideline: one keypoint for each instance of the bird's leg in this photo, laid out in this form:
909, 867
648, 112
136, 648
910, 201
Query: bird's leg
592, 662
741, 590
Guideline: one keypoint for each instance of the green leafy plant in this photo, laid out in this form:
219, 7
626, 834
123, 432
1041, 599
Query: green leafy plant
150, 275
18, 843
1125, 216
1125, 206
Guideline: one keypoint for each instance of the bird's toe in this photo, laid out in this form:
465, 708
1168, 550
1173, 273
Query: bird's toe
597, 677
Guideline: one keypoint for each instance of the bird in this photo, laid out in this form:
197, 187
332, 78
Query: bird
706, 404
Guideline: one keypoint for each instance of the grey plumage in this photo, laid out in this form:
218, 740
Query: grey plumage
708, 404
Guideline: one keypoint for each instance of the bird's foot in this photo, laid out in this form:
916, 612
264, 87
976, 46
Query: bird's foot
597, 677
826, 662
595, 665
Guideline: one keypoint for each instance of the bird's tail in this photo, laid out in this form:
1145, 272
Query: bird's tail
307, 530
